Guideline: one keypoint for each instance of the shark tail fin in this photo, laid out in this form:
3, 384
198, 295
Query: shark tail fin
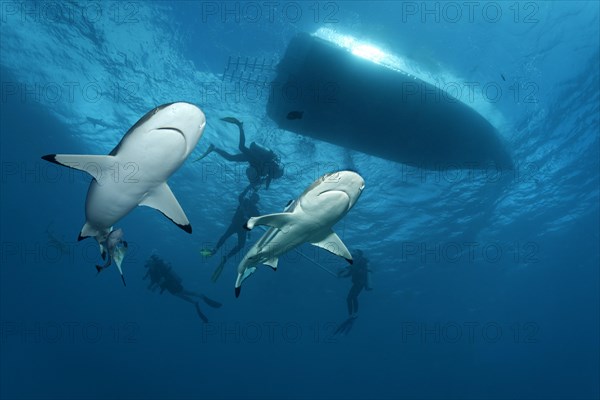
119, 254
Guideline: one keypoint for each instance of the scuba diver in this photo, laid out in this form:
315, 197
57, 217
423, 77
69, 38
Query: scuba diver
247, 208
359, 272
116, 247
162, 276
264, 164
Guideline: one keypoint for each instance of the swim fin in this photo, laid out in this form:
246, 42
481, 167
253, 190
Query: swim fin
346, 326
200, 314
218, 270
212, 303
210, 149
232, 120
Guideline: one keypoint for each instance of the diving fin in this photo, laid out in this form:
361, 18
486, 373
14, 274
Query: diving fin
207, 152
232, 120
212, 303
346, 326
200, 314
218, 270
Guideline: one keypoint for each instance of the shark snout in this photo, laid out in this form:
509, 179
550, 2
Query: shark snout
353, 197
353, 186
188, 120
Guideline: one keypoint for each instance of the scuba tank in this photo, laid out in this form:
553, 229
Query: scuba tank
263, 152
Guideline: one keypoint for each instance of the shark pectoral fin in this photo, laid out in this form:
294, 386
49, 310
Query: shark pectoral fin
162, 199
332, 243
98, 166
272, 263
280, 221
241, 278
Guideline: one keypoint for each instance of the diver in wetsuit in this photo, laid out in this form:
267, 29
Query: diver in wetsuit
247, 208
162, 275
264, 164
359, 272
155, 266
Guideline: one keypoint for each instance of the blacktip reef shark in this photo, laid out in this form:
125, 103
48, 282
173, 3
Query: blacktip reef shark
135, 172
307, 219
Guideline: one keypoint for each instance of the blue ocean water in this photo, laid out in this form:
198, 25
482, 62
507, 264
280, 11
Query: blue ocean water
482, 287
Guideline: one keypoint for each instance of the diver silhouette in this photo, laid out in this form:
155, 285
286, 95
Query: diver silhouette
162, 276
359, 272
247, 208
264, 164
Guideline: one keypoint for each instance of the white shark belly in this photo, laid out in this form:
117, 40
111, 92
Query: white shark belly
332, 206
134, 175
280, 245
108, 203
282, 242
151, 158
